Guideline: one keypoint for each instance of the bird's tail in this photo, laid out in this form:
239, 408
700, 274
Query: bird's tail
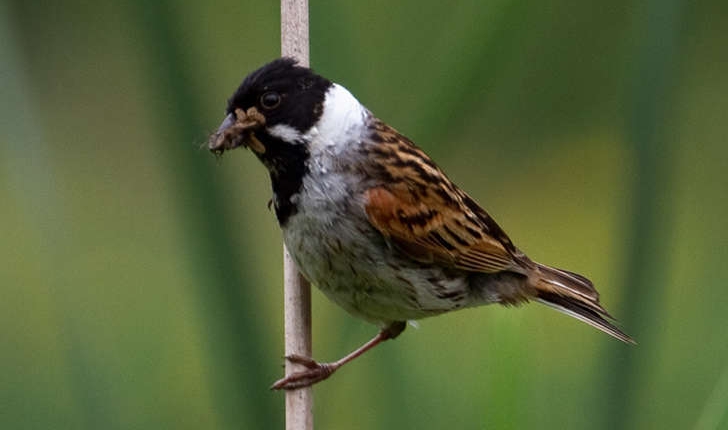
575, 296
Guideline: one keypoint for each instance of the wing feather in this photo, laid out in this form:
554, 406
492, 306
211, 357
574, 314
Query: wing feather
418, 209
430, 228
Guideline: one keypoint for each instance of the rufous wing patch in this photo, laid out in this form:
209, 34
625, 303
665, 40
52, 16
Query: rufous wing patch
430, 228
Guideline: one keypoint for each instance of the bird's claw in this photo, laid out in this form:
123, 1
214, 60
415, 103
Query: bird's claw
315, 372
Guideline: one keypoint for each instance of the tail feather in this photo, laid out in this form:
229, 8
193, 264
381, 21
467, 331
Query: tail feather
574, 295
565, 282
583, 313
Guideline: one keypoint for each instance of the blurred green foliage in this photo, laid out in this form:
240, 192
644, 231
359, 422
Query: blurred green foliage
140, 283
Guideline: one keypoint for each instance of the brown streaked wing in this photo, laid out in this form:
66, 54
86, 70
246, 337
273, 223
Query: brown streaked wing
429, 228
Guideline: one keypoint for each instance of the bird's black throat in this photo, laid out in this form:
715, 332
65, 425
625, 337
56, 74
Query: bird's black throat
286, 163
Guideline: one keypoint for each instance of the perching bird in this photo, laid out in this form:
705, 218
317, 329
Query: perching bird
373, 222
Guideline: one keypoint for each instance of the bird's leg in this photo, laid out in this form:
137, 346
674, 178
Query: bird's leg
316, 372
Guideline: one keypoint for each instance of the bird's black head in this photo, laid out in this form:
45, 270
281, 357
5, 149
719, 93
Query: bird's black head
279, 93
284, 93
270, 111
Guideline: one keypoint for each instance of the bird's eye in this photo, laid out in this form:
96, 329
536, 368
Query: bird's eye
270, 100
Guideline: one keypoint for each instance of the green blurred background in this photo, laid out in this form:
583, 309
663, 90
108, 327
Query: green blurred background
140, 277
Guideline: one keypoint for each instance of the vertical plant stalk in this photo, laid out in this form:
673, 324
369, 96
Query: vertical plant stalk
297, 291
297, 311
294, 30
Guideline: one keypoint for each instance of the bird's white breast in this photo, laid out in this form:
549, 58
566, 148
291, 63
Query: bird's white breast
330, 236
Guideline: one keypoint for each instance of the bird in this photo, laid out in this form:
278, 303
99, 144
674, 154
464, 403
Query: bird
373, 222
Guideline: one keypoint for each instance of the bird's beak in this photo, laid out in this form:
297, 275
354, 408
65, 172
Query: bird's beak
237, 130
226, 123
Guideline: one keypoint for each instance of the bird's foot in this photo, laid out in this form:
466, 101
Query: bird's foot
315, 372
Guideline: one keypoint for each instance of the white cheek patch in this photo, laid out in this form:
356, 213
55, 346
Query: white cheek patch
285, 132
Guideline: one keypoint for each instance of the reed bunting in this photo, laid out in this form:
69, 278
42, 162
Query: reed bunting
373, 222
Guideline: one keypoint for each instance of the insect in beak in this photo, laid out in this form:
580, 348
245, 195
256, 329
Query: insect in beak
237, 130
